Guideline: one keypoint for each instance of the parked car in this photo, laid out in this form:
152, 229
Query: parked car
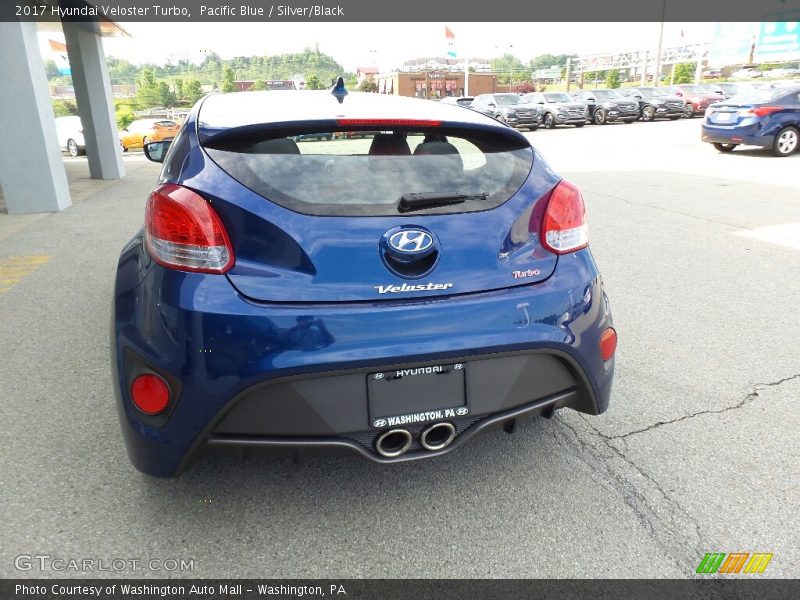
558, 109
142, 131
608, 105
655, 102
712, 73
714, 88
510, 109
70, 135
746, 74
697, 99
464, 101
732, 89
766, 118
260, 307
313, 136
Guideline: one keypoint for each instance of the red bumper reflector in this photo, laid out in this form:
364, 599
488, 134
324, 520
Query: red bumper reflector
150, 394
608, 343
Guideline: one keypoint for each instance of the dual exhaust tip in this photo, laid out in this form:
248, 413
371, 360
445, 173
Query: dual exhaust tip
395, 442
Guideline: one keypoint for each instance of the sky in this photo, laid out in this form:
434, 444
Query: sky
387, 45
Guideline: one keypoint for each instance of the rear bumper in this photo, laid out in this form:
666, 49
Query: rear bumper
749, 135
294, 374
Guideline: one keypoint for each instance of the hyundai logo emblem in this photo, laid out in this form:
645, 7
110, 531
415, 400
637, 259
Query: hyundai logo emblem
411, 241
379, 422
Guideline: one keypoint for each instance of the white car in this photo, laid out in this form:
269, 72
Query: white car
70, 135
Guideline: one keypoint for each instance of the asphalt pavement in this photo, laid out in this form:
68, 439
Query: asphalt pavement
698, 452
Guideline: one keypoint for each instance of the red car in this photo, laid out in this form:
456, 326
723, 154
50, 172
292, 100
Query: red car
697, 99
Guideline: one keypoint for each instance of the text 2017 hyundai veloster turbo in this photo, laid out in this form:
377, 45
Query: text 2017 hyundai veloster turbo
392, 294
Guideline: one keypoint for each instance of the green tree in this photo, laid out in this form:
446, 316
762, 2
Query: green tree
368, 85
259, 86
147, 93
166, 95
228, 80
612, 79
64, 108
179, 89
684, 72
124, 116
192, 90
51, 69
313, 83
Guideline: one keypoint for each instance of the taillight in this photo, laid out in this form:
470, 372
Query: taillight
564, 226
760, 111
183, 232
150, 394
608, 343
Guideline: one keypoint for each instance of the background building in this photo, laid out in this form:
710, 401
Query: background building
435, 84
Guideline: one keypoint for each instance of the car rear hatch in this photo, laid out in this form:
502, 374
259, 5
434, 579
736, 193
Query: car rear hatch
417, 209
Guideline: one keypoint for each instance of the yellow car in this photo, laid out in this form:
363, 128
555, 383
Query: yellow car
142, 131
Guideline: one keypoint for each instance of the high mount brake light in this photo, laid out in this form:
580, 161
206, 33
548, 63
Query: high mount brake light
564, 226
387, 123
184, 232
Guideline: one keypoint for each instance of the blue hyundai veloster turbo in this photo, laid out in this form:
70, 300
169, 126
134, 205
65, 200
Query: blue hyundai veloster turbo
378, 274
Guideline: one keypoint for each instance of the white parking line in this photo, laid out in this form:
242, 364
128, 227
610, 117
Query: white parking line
787, 235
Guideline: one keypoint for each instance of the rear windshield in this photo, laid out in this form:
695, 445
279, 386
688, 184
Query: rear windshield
508, 99
333, 172
606, 94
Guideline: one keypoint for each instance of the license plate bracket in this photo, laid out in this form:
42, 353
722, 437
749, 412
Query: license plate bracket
402, 397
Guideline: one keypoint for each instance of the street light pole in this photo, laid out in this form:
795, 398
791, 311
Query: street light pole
657, 74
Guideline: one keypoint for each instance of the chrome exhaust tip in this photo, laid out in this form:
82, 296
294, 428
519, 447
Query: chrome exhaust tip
438, 436
393, 442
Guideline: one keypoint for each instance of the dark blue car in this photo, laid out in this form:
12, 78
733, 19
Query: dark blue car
769, 118
390, 295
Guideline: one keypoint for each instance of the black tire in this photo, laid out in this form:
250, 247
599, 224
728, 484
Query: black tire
725, 147
648, 113
629, 121
533, 128
549, 121
72, 148
579, 124
688, 111
599, 117
145, 140
786, 142
674, 117
329, 137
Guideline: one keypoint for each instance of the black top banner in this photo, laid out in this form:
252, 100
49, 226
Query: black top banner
406, 11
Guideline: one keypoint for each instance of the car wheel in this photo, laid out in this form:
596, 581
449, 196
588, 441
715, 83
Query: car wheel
549, 121
72, 148
329, 137
786, 141
599, 117
725, 147
688, 111
674, 117
579, 124
648, 113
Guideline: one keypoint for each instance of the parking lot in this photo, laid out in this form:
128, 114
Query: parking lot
700, 254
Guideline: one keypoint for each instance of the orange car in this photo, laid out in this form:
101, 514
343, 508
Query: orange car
142, 131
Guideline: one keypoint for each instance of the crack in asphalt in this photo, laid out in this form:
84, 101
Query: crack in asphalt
669, 210
746, 400
661, 523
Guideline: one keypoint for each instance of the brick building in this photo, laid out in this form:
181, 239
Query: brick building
435, 84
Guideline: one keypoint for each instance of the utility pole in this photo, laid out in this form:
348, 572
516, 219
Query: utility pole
657, 74
644, 68
569, 71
